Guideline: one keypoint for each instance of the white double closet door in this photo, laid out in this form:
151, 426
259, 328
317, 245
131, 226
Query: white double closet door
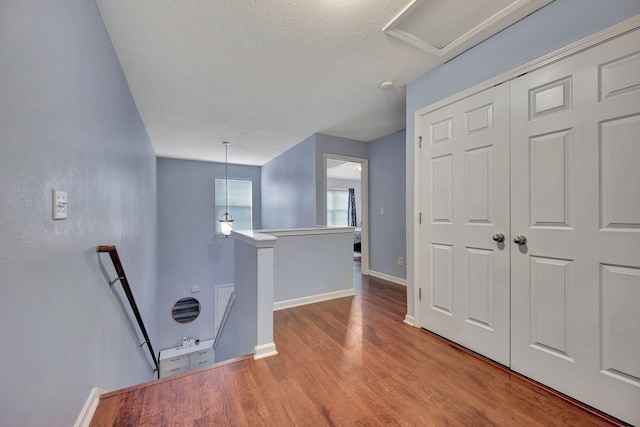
553, 158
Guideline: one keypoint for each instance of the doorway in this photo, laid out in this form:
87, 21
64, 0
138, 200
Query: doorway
346, 195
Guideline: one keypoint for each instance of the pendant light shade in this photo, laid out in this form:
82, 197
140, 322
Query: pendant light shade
226, 220
226, 225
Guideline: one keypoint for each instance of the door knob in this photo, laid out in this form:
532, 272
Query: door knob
498, 237
520, 239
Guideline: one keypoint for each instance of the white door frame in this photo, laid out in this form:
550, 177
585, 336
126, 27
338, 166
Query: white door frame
414, 253
364, 202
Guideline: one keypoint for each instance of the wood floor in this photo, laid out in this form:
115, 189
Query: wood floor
347, 362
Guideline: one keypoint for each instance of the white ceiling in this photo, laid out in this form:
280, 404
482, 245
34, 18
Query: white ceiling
266, 74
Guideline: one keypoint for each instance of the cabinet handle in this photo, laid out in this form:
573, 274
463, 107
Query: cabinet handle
174, 369
177, 358
201, 353
204, 361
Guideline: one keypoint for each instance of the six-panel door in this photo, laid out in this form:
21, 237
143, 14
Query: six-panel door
465, 153
575, 181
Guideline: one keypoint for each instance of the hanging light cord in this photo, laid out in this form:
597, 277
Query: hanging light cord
226, 181
226, 220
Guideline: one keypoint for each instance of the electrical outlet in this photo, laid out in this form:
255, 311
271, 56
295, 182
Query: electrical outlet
400, 260
381, 210
59, 204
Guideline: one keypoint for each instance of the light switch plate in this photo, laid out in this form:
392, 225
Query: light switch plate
59, 204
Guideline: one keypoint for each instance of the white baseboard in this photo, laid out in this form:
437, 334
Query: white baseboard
280, 305
264, 350
89, 408
410, 320
388, 278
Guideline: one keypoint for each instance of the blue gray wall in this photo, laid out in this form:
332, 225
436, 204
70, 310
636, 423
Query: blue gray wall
288, 188
293, 183
387, 240
189, 252
68, 121
556, 25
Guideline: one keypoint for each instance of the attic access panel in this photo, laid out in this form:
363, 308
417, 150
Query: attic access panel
449, 27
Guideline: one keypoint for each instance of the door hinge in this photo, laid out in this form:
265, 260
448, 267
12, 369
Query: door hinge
419, 142
420, 294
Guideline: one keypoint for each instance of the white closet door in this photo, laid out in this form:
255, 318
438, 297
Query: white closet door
575, 193
465, 201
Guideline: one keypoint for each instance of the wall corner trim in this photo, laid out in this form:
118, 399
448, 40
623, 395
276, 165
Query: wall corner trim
264, 350
410, 320
388, 277
312, 299
89, 408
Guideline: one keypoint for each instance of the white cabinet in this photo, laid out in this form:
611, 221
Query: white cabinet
173, 365
179, 360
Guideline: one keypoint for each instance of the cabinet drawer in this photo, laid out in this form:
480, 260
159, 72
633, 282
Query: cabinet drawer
175, 362
201, 363
174, 365
199, 355
166, 371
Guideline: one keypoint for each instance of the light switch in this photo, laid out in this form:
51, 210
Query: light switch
195, 289
59, 204
381, 210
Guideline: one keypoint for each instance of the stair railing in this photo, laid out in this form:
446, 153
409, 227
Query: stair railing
223, 322
122, 277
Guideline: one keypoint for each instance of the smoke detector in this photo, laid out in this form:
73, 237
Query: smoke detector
386, 85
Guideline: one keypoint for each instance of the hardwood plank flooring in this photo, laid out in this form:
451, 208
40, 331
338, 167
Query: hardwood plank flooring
347, 362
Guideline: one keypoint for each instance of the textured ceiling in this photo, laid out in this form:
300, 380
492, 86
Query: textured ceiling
263, 74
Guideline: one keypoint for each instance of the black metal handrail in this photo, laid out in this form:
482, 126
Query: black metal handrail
113, 253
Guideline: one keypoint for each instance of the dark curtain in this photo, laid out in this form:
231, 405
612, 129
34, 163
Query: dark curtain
353, 220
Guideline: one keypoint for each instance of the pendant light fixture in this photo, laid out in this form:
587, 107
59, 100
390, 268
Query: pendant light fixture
226, 220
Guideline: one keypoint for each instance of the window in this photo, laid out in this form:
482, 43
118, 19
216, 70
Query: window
338, 208
240, 202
